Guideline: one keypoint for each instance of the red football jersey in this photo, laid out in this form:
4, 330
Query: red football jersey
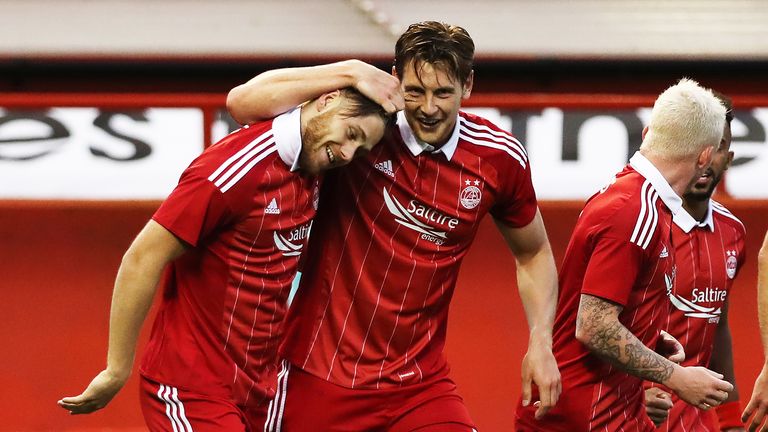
621, 251
390, 234
707, 257
247, 216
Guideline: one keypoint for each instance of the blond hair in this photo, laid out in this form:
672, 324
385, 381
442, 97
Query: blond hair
686, 119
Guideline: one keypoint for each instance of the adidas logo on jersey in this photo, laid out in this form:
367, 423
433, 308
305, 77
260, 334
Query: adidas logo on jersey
272, 208
385, 167
664, 252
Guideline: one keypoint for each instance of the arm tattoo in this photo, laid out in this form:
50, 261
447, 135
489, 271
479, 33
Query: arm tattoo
609, 339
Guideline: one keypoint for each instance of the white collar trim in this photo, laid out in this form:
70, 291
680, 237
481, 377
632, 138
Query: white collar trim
686, 222
675, 204
417, 147
286, 129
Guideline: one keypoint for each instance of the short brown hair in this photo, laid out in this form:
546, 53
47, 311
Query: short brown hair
359, 105
437, 43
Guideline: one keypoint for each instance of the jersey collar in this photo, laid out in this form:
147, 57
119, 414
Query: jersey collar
643, 166
686, 222
417, 147
287, 131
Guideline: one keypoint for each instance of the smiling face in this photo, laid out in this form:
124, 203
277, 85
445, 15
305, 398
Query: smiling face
704, 186
333, 137
432, 100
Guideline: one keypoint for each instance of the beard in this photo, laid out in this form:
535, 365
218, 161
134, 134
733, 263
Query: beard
316, 129
312, 137
702, 194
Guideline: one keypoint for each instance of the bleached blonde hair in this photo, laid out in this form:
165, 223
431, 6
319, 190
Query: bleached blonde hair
686, 118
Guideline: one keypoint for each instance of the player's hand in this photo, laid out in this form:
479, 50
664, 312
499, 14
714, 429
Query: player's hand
699, 386
381, 87
540, 368
757, 408
657, 404
669, 347
96, 396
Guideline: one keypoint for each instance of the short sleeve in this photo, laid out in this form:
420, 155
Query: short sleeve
194, 210
612, 270
517, 206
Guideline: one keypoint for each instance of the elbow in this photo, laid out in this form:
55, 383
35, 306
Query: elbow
583, 336
132, 259
234, 105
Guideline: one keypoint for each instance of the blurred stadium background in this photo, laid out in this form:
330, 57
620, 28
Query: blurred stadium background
103, 103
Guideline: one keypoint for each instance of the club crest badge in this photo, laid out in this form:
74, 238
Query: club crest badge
471, 194
731, 263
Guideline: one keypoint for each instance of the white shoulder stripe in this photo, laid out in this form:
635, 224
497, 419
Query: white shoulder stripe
648, 217
476, 129
239, 155
504, 148
270, 147
719, 208
653, 223
243, 164
641, 216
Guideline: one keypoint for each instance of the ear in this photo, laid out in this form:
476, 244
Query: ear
645, 132
328, 99
394, 72
705, 158
467, 90
730, 160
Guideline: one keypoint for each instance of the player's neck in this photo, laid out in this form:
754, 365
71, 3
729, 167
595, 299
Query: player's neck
696, 208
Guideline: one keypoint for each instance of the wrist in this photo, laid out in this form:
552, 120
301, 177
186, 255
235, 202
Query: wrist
540, 338
119, 373
673, 381
351, 72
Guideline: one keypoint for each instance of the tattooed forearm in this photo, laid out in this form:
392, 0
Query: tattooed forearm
599, 329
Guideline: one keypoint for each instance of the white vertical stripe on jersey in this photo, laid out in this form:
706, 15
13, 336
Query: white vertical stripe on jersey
335, 274
371, 170
373, 316
240, 284
397, 318
237, 292
695, 274
239, 154
256, 309
711, 285
595, 402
